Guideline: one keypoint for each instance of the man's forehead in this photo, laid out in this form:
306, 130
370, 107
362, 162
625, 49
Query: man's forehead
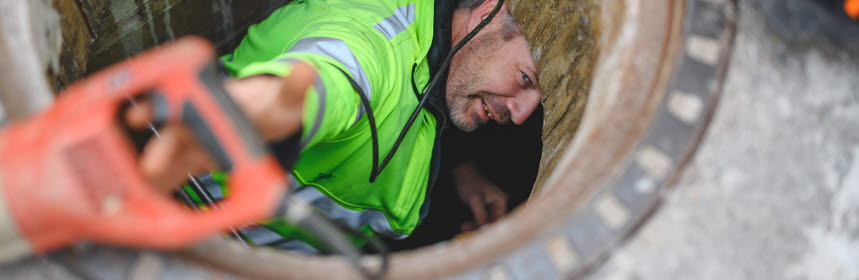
512, 26
528, 60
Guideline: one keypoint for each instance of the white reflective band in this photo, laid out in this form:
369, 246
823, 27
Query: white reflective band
397, 22
338, 50
263, 236
12, 246
295, 245
320, 112
354, 219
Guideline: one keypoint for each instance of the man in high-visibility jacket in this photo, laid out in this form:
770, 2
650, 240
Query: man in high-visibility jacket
388, 51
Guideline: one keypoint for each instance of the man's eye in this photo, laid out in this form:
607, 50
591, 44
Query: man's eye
526, 79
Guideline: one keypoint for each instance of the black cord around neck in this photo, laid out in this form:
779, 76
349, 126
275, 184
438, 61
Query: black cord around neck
377, 168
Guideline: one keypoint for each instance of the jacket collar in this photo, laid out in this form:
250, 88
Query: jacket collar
438, 52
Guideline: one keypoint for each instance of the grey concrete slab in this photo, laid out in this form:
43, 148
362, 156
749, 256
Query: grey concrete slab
773, 191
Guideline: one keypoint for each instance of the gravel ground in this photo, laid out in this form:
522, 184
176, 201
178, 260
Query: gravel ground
773, 191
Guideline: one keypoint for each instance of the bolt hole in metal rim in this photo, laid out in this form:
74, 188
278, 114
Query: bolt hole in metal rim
656, 84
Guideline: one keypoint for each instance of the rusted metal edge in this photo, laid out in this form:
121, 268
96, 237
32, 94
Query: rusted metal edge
674, 117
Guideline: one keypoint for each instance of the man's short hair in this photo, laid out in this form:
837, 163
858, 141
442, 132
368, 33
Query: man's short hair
509, 29
469, 4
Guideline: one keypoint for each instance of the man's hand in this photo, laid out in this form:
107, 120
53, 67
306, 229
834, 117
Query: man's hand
274, 105
488, 203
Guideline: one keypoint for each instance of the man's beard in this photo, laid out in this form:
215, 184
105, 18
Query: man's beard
466, 78
459, 101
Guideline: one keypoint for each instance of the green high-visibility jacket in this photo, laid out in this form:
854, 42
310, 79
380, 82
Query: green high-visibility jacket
382, 45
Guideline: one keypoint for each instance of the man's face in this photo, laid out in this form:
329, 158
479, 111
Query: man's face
492, 79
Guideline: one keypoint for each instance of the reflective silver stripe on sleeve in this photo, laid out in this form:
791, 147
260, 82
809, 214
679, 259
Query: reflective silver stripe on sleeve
295, 245
263, 236
338, 50
397, 22
320, 112
354, 219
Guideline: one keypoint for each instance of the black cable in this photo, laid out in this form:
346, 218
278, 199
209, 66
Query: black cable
414, 84
325, 229
209, 200
374, 134
329, 233
377, 168
373, 242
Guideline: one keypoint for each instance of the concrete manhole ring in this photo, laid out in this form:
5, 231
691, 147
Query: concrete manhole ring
556, 236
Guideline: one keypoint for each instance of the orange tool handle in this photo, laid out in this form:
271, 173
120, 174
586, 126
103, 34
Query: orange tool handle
72, 172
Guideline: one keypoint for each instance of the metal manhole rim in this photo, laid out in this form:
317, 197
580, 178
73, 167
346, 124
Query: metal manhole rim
651, 165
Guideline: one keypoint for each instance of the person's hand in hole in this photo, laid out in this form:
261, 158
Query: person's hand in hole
487, 202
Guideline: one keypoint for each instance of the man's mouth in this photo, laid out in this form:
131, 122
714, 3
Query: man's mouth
486, 109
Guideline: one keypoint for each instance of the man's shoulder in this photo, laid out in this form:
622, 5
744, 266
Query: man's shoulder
353, 16
372, 29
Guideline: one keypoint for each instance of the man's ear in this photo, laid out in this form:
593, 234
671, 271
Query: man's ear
481, 12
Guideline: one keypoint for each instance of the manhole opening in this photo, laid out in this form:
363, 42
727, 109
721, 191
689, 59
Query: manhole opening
565, 53
599, 47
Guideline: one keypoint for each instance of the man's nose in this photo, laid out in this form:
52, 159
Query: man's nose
523, 105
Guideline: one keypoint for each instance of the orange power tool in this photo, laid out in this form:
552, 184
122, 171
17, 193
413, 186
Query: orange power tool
71, 173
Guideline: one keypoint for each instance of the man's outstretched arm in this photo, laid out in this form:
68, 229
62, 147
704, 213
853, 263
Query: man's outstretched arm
54, 199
